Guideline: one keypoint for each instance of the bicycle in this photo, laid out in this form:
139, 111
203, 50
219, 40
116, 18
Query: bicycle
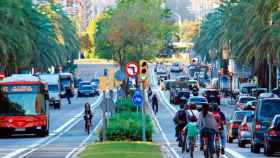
87, 123
192, 146
218, 147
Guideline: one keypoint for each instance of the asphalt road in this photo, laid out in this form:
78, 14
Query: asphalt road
167, 112
67, 135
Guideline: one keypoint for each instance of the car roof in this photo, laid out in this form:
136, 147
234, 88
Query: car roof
210, 89
244, 96
197, 97
265, 99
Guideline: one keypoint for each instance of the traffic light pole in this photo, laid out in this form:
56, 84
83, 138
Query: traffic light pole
143, 114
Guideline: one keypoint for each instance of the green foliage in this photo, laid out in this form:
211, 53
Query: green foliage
250, 28
128, 126
132, 30
35, 36
125, 105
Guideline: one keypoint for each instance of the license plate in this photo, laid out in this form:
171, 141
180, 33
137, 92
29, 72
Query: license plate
20, 129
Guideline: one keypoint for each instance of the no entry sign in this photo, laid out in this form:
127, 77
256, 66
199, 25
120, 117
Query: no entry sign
132, 69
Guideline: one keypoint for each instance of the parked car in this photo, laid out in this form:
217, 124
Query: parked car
266, 110
212, 95
176, 67
233, 125
87, 90
272, 137
181, 97
84, 83
198, 101
242, 100
245, 131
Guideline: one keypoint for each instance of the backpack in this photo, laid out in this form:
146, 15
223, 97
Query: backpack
218, 118
191, 116
182, 117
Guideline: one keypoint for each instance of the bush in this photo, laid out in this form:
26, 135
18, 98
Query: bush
125, 105
128, 126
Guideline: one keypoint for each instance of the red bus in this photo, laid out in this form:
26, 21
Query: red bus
23, 106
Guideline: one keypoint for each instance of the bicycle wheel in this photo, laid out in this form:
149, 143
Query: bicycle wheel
192, 148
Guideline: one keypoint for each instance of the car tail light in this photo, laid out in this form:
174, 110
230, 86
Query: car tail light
234, 125
258, 125
244, 127
272, 132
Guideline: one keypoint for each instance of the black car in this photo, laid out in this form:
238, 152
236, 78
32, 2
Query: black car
272, 137
234, 123
87, 90
266, 109
212, 95
182, 97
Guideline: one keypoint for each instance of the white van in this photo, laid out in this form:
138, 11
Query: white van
53, 89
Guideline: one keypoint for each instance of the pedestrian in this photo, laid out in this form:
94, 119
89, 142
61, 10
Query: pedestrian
68, 94
87, 114
150, 92
155, 103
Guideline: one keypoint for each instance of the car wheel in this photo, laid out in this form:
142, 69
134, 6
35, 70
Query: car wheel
267, 150
255, 148
230, 139
241, 144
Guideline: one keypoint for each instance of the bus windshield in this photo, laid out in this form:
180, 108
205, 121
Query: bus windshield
15, 104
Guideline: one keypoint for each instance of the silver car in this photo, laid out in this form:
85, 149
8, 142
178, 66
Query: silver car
245, 131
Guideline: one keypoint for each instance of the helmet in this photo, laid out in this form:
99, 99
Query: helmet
215, 107
205, 107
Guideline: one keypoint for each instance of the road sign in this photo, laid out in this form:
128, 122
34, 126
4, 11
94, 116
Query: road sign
137, 99
132, 69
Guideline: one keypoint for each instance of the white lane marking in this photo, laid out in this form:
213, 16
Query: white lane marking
234, 153
78, 149
162, 132
57, 131
74, 152
170, 107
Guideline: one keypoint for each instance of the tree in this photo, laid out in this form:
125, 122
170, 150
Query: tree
132, 30
29, 36
251, 37
189, 30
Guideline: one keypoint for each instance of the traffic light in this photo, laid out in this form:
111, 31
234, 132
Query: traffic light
143, 70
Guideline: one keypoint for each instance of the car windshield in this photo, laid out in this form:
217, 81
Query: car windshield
269, 109
53, 88
14, 104
86, 88
239, 116
184, 94
65, 83
245, 100
198, 100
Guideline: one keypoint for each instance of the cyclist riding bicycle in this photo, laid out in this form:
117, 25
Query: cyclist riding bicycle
208, 126
191, 131
221, 121
180, 121
87, 115
192, 111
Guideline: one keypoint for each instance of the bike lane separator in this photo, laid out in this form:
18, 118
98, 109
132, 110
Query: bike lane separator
54, 135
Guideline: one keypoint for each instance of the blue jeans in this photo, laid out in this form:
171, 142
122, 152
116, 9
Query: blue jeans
211, 135
223, 138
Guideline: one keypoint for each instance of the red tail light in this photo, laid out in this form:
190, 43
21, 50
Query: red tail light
244, 127
272, 132
258, 126
234, 125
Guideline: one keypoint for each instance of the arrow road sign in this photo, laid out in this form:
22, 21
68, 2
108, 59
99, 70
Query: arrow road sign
132, 69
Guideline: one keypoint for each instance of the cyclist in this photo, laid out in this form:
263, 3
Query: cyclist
221, 121
180, 121
87, 115
192, 111
208, 126
155, 103
191, 131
